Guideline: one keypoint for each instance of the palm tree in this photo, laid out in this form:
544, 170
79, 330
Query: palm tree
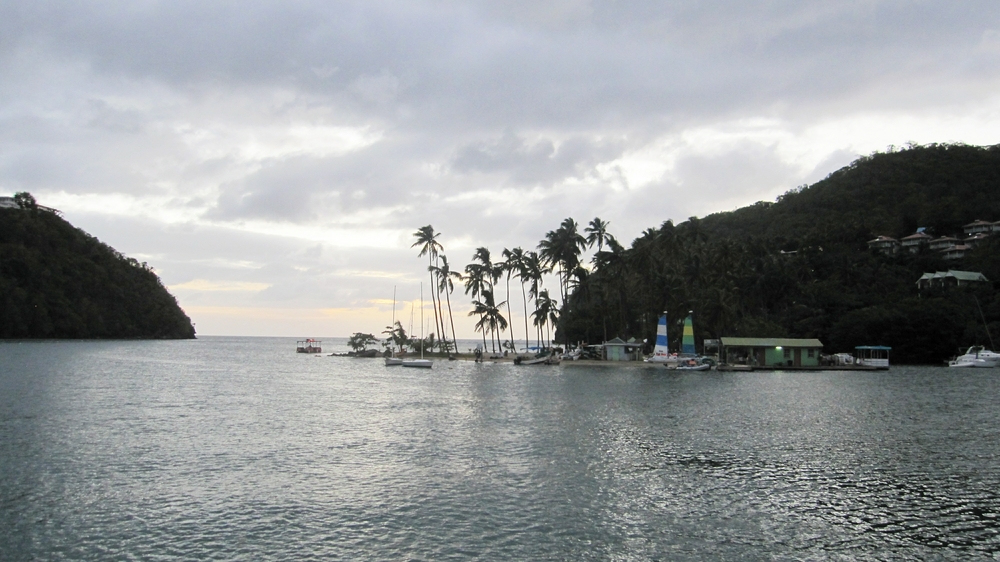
562, 247
597, 233
476, 283
427, 240
490, 316
517, 262
445, 285
511, 265
545, 310
533, 271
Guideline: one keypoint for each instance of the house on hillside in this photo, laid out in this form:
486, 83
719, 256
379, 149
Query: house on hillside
975, 239
771, 352
979, 226
943, 243
885, 244
7, 202
914, 242
950, 278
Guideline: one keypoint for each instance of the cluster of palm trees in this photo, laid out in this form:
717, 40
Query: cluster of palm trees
558, 252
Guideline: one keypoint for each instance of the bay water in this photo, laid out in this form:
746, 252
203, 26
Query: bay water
240, 448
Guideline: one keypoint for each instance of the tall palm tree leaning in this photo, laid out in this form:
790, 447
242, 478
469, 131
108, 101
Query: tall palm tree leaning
445, 285
427, 240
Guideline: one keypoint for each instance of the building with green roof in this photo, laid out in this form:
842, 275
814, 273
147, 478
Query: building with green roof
772, 352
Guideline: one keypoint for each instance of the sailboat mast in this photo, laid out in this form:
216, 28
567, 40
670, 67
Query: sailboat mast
421, 320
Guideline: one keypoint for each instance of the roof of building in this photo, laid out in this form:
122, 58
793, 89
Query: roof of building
956, 274
771, 342
978, 222
918, 236
883, 239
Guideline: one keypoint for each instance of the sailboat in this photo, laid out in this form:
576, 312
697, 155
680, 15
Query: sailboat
392, 360
420, 363
689, 359
661, 353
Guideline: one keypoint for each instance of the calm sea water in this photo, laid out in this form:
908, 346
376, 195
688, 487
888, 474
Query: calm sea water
239, 448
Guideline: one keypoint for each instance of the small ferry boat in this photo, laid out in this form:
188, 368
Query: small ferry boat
308, 346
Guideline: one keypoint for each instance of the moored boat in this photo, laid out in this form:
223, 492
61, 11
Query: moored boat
976, 356
420, 363
308, 346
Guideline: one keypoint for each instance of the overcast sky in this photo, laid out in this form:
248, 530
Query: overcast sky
271, 160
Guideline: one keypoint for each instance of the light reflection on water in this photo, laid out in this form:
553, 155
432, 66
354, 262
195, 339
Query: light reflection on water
240, 448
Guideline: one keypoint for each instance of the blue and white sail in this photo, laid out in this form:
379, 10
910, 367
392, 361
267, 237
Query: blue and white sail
661, 354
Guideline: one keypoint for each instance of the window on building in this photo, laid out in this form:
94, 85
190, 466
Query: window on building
788, 352
812, 353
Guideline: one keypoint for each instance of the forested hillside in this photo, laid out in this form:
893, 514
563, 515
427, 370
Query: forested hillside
56, 281
801, 267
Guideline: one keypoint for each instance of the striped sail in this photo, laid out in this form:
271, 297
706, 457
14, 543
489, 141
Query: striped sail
660, 351
687, 343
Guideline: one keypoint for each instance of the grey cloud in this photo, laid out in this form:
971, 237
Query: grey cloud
541, 161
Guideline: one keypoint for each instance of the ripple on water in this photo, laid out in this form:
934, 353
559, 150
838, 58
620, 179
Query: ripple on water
234, 448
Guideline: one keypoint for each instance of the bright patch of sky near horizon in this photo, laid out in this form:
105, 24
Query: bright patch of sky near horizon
272, 160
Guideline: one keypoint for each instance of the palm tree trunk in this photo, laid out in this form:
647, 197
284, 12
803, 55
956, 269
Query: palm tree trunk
430, 264
454, 338
510, 317
524, 299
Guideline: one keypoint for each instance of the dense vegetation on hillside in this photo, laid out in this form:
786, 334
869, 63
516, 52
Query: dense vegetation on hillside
801, 267
56, 281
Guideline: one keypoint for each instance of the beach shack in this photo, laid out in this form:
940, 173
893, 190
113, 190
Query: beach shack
620, 350
771, 352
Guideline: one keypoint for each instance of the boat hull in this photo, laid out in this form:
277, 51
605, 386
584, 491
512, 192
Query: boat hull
418, 363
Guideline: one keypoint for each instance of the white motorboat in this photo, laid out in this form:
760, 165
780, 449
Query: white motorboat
393, 361
976, 356
969, 364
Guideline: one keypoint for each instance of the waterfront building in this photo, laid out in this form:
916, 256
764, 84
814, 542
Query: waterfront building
620, 350
772, 352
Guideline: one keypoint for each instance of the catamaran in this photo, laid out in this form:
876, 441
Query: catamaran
661, 353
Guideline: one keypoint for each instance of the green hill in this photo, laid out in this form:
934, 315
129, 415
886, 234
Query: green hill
801, 267
57, 281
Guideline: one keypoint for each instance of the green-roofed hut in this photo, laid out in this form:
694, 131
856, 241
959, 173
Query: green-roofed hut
773, 353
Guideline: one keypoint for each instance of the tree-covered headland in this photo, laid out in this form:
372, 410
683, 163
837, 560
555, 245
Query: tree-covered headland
801, 266
798, 267
57, 281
